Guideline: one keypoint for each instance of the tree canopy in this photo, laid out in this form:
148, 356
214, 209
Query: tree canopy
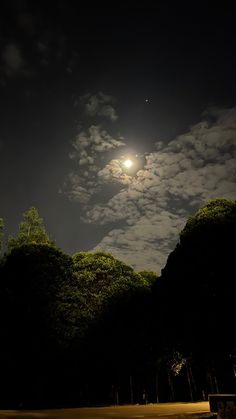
217, 213
197, 288
117, 301
36, 280
206, 243
101, 277
31, 230
89, 322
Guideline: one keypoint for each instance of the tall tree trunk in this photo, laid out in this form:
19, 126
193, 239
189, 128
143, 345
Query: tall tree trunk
131, 390
172, 394
216, 384
157, 388
192, 380
189, 382
209, 379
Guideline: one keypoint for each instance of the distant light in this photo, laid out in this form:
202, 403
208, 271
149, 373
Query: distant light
128, 163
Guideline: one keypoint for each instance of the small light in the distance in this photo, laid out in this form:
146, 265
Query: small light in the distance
128, 163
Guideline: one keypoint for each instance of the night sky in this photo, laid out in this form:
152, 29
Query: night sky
81, 90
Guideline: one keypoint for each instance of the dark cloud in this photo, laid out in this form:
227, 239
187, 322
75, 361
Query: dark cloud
33, 40
99, 105
13, 62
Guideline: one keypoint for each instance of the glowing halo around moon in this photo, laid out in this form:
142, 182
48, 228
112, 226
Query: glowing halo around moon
128, 163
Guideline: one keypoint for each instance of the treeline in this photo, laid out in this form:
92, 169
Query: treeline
87, 329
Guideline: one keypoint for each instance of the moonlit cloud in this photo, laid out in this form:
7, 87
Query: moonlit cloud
99, 105
152, 205
89, 150
177, 178
147, 243
114, 172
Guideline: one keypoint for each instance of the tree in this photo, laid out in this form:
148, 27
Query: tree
149, 276
1, 234
36, 281
101, 278
31, 230
116, 300
196, 292
37, 323
216, 216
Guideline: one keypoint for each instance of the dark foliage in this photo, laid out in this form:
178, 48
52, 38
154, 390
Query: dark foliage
87, 329
198, 289
33, 322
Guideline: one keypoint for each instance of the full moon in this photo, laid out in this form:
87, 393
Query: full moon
128, 163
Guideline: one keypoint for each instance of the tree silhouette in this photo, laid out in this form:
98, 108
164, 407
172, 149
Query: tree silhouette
31, 230
1, 234
197, 289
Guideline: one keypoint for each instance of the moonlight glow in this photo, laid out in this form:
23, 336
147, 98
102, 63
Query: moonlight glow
128, 163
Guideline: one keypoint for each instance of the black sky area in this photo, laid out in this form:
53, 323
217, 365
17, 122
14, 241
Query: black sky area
178, 55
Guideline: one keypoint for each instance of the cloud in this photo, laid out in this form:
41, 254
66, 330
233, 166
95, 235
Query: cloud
114, 172
13, 63
89, 150
99, 105
46, 49
177, 178
145, 244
